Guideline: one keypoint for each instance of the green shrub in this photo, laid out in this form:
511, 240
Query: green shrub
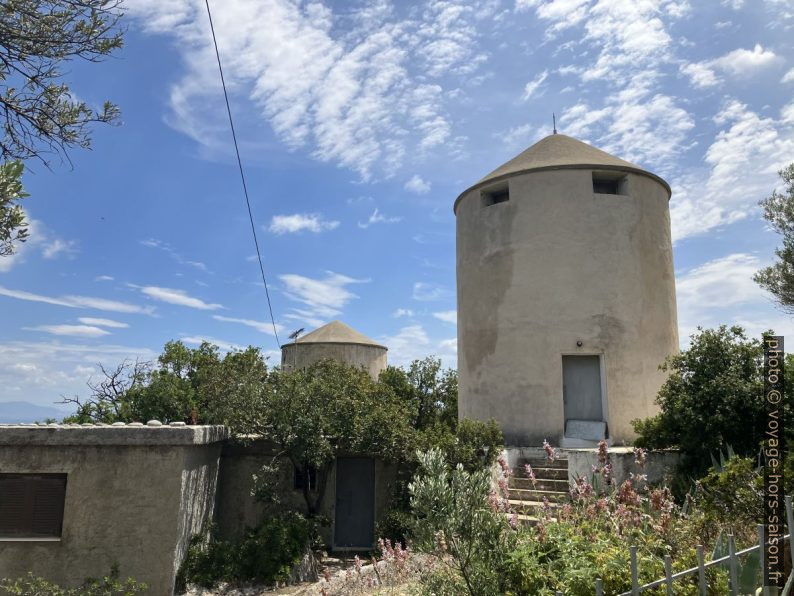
266, 554
110, 585
454, 521
713, 398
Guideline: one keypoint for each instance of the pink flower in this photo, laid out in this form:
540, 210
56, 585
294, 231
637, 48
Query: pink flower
530, 474
603, 453
640, 456
513, 521
551, 454
606, 472
502, 461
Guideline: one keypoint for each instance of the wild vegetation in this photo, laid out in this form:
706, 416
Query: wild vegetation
109, 585
712, 399
451, 529
778, 208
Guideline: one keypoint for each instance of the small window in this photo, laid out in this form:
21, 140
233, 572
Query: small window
31, 505
608, 184
300, 478
492, 197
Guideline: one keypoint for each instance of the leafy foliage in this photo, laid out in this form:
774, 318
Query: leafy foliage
467, 526
266, 554
110, 585
778, 278
328, 409
454, 519
189, 385
39, 114
712, 398
12, 217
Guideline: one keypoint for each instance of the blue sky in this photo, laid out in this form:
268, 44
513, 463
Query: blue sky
360, 123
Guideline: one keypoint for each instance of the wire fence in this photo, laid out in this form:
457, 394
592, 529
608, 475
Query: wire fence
732, 560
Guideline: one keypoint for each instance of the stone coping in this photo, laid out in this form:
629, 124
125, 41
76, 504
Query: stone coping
134, 433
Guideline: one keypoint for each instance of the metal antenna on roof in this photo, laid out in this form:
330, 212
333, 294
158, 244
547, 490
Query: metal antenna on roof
554, 120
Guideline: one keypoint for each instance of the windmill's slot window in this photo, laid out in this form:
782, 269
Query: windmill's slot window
605, 184
31, 506
493, 197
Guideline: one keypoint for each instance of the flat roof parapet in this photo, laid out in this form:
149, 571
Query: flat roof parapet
117, 434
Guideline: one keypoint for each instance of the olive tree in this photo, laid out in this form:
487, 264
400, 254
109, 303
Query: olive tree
40, 116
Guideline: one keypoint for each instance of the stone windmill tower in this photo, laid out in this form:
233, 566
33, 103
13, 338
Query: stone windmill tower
566, 294
336, 341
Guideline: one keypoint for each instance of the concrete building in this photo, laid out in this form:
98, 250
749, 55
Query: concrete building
566, 295
336, 341
76, 499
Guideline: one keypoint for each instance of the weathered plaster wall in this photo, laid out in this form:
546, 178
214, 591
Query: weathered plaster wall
238, 509
300, 355
134, 495
659, 465
554, 265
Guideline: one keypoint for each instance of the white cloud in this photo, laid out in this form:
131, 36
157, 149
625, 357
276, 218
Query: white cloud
788, 77
178, 297
376, 218
195, 340
361, 95
58, 247
299, 222
700, 74
76, 301
170, 251
40, 372
721, 282
520, 136
448, 316
408, 344
722, 291
429, 292
739, 63
744, 159
634, 123
403, 312
71, 330
261, 326
102, 322
531, 88
103, 278
324, 297
743, 62
418, 185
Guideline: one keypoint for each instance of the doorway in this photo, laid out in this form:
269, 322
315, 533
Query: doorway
581, 388
354, 519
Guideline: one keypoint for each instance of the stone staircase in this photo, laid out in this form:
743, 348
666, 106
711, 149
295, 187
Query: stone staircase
551, 482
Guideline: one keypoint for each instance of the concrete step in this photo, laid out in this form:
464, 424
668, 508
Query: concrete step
537, 495
530, 520
545, 473
540, 484
529, 507
542, 462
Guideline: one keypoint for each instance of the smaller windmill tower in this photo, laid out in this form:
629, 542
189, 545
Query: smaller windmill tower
338, 342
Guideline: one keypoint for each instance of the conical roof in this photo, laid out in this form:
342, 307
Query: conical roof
558, 151
336, 332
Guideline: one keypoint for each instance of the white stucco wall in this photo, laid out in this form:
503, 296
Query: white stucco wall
554, 265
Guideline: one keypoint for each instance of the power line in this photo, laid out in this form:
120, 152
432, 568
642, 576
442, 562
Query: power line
242, 175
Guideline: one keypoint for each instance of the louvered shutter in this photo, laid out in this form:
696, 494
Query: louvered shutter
31, 505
